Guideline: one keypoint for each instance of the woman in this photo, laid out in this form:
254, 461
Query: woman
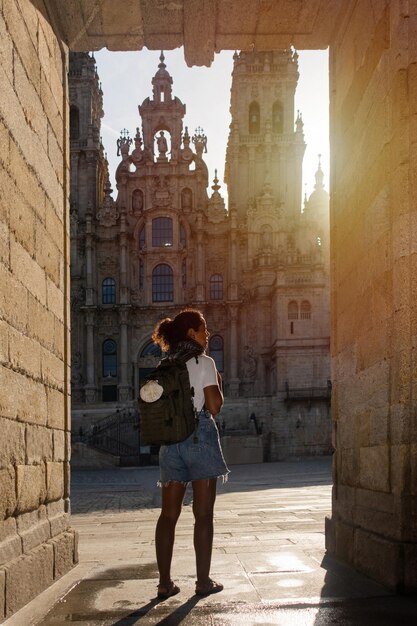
198, 459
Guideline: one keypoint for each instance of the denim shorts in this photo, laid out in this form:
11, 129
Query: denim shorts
198, 457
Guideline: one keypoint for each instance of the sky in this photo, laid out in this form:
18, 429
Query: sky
126, 81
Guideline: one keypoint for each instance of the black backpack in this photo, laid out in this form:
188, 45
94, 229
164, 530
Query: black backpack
171, 417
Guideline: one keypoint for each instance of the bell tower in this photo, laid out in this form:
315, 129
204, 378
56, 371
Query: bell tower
162, 117
265, 147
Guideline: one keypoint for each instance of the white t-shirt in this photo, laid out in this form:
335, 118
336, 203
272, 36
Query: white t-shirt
202, 374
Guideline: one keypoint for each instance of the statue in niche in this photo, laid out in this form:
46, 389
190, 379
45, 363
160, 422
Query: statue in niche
76, 367
162, 145
266, 237
186, 199
137, 200
249, 364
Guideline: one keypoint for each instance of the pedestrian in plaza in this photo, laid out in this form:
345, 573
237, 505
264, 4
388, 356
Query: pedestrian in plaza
198, 459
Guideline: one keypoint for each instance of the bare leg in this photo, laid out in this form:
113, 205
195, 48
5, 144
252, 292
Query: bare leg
172, 497
204, 496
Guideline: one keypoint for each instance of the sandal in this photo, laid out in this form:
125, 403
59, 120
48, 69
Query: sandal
209, 588
165, 592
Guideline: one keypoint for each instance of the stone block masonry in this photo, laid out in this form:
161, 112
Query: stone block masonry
37, 545
373, 243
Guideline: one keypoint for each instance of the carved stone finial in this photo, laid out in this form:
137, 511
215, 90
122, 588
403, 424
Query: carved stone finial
108, 213
123, 144
216, 185
299, 124
200, 141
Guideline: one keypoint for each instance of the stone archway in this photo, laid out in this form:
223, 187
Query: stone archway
373, 217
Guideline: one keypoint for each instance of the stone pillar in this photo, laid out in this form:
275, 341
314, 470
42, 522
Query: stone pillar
200, 283
74, 179
233, 265
37, 544
373, 247
123, 258
251, 161
90, 388
89, 290
91, 156
124, 387
233, 352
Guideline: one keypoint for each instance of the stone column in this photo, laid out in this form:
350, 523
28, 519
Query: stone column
123, 258
233, 265
90, 388
124, 387
91, 156
200, 283
251, 160
233, 351
89, 290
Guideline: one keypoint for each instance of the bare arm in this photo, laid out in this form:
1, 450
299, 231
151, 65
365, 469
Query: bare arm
213, 399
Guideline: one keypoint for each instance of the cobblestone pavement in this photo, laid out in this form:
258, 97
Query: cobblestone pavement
268, 552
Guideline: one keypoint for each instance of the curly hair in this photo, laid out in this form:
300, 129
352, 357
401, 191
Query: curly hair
169, 332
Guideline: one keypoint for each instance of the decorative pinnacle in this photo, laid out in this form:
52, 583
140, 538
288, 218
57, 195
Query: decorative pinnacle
162, 59
216, 185
200, 140
123, 142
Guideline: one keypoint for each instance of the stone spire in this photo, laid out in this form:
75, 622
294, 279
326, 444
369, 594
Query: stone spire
162, 82
216, 207
318, 202
108, 214
319, 176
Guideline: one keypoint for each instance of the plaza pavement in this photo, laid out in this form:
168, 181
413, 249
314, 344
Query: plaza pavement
268, 552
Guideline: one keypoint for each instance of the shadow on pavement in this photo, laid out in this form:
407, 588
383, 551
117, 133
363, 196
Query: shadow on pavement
349, 598
173, 619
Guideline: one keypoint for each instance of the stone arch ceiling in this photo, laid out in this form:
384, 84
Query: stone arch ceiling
203, 27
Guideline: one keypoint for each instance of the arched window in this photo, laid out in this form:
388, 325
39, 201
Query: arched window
109, 358
216, 287
305, 310
151, 349
183, 235
108, 291
74, 123
162, 232
162, 283
148, 359
277, 117
216, 350
293, 310
254, 119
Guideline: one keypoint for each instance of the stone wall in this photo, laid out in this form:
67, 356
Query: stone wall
374, 306
36, 543
289, 430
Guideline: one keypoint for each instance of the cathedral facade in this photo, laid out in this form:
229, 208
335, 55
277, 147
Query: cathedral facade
257, 269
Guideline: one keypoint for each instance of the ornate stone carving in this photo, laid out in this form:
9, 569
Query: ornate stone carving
108, 265
186, 153
76, 369
77, 296
161, 195
108, 213
249, 364
161, 142
137, 202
